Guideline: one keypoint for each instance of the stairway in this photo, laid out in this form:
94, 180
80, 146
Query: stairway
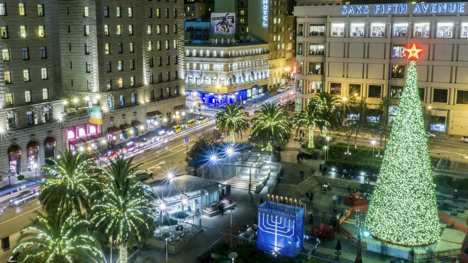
295, 190
241, 183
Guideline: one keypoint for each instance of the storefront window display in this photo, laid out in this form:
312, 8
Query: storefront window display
421, 29
396, 91
400, 30
398, 71
317, 30
315, 68
316, 49
377, 29
399, 52
438, 124
315, 87
335, 88
33, 149
464, 30
357, 30
337, 29
445, 30
14, 158
353, 117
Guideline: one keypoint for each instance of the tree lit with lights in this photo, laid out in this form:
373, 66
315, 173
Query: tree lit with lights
403, 209
232, 120
310, 119
272, 126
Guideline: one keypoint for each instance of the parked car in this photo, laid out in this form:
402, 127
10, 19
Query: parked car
430, 135
464, 139
202, 120
23, 197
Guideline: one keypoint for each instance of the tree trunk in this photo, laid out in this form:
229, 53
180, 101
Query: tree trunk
311, 137
122, 254
232, 137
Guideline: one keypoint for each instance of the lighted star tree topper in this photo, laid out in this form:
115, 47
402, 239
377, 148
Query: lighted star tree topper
403, 209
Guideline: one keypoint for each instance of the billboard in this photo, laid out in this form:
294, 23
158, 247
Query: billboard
223, 23
280, 228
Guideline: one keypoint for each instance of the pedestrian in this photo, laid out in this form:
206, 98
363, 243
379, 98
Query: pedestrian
221, 209
302, 175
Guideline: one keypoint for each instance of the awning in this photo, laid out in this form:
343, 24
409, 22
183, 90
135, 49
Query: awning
33, 145
136, 123
113, 129
125, 126
50, 142
153, 113
14, 150
180, 107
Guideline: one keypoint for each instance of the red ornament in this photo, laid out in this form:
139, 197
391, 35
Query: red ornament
413, 52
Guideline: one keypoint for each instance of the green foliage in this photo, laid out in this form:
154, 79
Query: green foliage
272, 126
232, 120
72, 185
197, 154
20, 177
59, 236
310, 119
329, 118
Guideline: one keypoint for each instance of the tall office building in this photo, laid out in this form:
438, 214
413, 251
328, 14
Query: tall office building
123, 56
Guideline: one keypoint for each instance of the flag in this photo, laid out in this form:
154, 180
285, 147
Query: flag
95, 116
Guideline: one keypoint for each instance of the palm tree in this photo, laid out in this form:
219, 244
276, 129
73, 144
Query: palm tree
272, 126
59, 236
70, 183
232, 120
329, 111
310, 118
124, 214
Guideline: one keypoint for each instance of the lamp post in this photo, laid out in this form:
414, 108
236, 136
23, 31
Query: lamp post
326, 153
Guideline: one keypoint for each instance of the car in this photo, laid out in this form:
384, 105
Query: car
202, 120
281, 90
110, 155
177, 129
191, 123
129, 147
430, 135
464, 139
23, 197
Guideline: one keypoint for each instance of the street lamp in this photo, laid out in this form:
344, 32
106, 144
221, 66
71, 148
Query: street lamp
344, 98
326, 152
213, 159
170, 175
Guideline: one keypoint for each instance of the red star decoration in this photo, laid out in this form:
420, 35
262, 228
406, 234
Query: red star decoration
413, 52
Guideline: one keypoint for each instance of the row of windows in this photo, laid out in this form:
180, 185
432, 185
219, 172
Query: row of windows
168, 61
134, 97
30, 118
237, 53
6, 54
420, 29
120, 65
8, 75
166, 45
23, 32
235, 66
118, 12
27, 96
21, 9
149, 29
131, 81
107, 48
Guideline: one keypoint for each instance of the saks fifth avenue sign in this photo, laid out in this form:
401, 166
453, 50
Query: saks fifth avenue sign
431, 8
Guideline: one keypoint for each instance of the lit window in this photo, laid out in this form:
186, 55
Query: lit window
85, 11
421, 29
4, 31
130, 30
132, 47
158, 29
3, 9
9, 98
130, 12
88, 67
27, 96
132, 81
120, 65
23, 31
107, 48
26, 76
43, 52
464, 30
166, 29
445, 30
400, 30
117, 11
377, 30
398, 71
167, 44
150, 29
106, 30
7, 76
86, 30
150, 45
41, 31
6, 55
399, 52
44, 73
121, 84
45, 93
175, 43
119, 30
357, 30
337, 30
40, 10
22, 9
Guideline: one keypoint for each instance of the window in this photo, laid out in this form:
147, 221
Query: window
176, 75
174, 29
315, 68
174, 12
206, 66
337, 30
357, 30
4, 32
316, 49
130, 30
166, 29
71, 65
150, 12
399, 52
438, 124
176, 60
396, 91
85, 11
464, 30
122, 100
150, 45
158, 29
11, 121
152, 96
117, 12
7, 76
9, 98
167, 44
398, 71
87, 49
158, 45
377, 30
422, 92
45, 93
40, 10
119, 30
159, 61
132, 81
86, 30
132, 47
375, 91
175, 43
158, 13
41, 31
166, 12
133, 98
44, 73
151, 62
421, 29
6, 55
3, 9
23, 31
22, 9
107, 48
106, 11
335, 88
400, 30
25, 53
120, 65
120, 47
444, 30
88, 67
130, 12
121, 83
110, 103
218, 66
168, 76
27, 96
151, 79
26, 76
109, 84
168, 89
462, 96
355, 90
46, 113
30, 117
440, 95
106, 30
315, 87
43, 52
132, 64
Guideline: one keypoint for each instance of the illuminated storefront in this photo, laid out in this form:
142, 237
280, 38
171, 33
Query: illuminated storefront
14, 159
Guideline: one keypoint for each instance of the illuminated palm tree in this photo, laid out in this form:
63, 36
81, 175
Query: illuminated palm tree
272, 126
232, 120
310, 118
124, 214
70, 182
59, 236
329, 104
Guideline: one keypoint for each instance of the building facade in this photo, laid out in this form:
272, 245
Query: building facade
226, 73
360, 51
194, 9
62, 58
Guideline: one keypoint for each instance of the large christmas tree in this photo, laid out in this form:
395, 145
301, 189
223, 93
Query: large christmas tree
403, 209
